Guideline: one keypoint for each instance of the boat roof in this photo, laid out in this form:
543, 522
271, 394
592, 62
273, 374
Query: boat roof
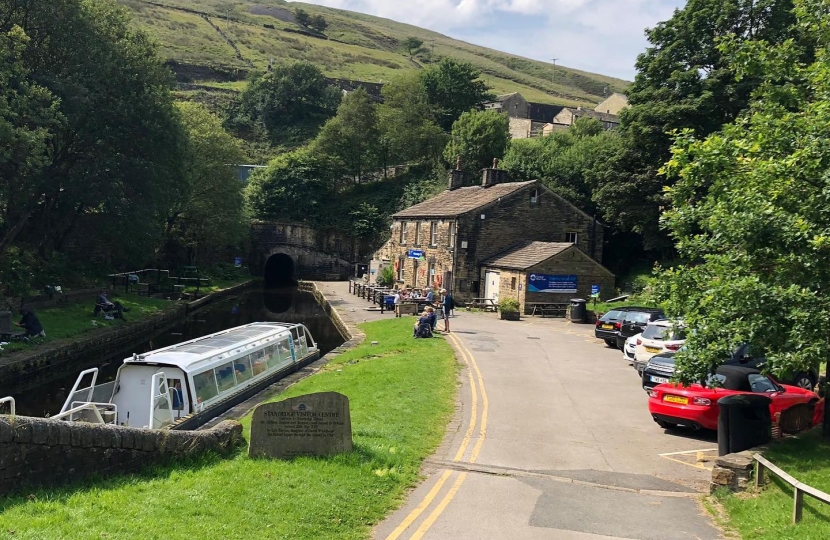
189, 354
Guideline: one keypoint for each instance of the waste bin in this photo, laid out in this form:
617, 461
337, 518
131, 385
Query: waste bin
744, 422
579, 310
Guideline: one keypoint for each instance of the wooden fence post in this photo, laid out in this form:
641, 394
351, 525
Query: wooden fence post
759, 474
798, 505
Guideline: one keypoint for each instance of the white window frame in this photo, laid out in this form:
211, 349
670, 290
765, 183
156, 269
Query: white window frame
404, 227
453, 231
401, 269
572, 237
433, 233
534, 196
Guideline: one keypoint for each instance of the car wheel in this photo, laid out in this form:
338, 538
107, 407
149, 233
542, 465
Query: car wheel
611, 343
665, 425
803, 380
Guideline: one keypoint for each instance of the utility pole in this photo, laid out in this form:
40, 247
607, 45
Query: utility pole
553, 80
432, 53
228, 18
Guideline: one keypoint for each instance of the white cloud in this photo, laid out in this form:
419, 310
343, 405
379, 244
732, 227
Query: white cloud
602, 36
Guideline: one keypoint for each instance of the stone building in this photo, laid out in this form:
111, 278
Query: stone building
613, 104
552, 272
527, 119
444, 241
568, 115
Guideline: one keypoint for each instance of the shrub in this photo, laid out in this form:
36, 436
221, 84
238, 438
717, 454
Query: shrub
386, 276
509, 305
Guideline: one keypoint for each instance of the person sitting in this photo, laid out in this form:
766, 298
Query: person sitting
423, 329
433, 317
110, 309
30, 323
430, 296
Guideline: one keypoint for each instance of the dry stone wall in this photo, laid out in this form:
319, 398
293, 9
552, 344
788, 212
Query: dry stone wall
40, 452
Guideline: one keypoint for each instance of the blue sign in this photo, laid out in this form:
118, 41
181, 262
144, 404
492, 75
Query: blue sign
594, 290
237, 261
546, 283
416, 253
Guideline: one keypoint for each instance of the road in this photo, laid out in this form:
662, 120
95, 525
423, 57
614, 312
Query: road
552, 439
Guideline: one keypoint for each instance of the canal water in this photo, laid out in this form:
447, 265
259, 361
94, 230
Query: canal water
283, 305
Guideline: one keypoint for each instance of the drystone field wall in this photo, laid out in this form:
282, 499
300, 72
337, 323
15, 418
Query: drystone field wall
40, 452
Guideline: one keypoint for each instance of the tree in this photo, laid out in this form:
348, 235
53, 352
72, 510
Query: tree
478, 137
564, 161
208, 211
683, 81
290, 99
114, 150
350, 139
412, 44
302, 16
751, 212
406, 121
453, 88
318, 23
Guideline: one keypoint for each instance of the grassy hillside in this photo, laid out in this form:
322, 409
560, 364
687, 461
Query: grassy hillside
232, 34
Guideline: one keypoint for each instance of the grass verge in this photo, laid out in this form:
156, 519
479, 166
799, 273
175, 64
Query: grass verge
768, 514
401, 393
75, 318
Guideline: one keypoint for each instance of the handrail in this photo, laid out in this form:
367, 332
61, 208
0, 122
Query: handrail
91, 388
762, 465
91, 406
8, 399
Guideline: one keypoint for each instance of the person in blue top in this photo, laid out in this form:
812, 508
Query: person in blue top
447, 305
430, 296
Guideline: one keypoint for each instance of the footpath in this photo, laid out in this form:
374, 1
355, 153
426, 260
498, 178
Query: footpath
552, 439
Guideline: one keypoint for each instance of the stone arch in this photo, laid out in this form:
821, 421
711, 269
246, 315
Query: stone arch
280, 270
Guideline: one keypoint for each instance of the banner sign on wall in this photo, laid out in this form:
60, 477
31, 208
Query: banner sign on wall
546, 283
416, 254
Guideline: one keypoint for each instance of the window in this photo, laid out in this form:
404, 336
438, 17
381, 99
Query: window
433, 233
452, 234
656, 332
242, 367
462, 285
401, 269
534, 196
417, 233
571, 237
513, 283
224, 377
205, 384
761, 384
259, 359
474, 287
431, 274
404, 226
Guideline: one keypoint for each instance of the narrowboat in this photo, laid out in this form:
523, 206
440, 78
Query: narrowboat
186, 385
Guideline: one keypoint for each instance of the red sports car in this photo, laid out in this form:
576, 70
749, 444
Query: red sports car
696, 406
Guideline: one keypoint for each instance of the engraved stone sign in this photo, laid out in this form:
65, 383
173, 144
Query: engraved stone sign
310, 425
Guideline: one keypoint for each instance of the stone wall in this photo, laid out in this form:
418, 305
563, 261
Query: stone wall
520, 128
40, 452
438, 256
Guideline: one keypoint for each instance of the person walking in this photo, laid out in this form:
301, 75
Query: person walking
447, 305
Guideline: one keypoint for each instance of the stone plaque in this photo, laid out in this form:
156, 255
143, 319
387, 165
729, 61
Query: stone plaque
310, 425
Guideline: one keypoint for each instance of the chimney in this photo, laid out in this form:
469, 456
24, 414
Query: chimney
456, 176
494, 176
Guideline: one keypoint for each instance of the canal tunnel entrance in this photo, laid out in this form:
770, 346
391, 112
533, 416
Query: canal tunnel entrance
280, 271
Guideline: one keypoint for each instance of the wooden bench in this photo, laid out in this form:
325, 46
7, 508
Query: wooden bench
553, 309
487, 304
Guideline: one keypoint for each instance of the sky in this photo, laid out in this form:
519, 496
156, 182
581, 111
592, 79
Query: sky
599, 36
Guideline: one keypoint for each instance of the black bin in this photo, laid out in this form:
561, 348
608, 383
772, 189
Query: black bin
579, 310
744, 422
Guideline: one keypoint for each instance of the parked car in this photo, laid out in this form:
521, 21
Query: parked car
635, 322
628, 350
658, 337
696, 406
660, 368
608, 326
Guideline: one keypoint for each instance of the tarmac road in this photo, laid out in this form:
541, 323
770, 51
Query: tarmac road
552, 440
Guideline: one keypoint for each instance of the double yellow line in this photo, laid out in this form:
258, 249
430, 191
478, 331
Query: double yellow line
477, 390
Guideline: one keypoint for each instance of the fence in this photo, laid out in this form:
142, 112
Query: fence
763, 465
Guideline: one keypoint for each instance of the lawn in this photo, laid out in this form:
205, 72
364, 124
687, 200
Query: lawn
768, 515
75, 318
401, 393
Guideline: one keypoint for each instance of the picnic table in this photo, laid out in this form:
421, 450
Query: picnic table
487, 304
547, 308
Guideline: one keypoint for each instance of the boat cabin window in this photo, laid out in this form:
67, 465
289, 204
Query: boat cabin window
272, 353
258, 361
205, 384
285, 349
224, 377
176, 394
242, 367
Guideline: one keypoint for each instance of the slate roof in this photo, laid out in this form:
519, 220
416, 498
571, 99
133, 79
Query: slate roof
462, 200
523, 256
601, 116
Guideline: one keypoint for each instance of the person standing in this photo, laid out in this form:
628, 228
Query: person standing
447, 305
397, 301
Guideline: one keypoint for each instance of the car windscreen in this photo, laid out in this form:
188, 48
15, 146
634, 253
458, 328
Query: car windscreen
613, 315
637, 317
656, 332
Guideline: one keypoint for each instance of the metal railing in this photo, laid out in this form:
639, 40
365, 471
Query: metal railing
762, 465
10, 401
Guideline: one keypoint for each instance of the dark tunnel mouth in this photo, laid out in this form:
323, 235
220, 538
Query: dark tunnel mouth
279, 271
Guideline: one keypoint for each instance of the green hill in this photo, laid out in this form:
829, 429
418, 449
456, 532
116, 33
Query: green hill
233, 36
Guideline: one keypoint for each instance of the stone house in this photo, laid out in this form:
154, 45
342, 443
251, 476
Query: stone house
444, 241
613, 104
519, 271
527, 119
568, 115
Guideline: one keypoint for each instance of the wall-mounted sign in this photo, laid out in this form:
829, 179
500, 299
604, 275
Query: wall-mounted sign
237, 261
594, 290
546, 283
416, 254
